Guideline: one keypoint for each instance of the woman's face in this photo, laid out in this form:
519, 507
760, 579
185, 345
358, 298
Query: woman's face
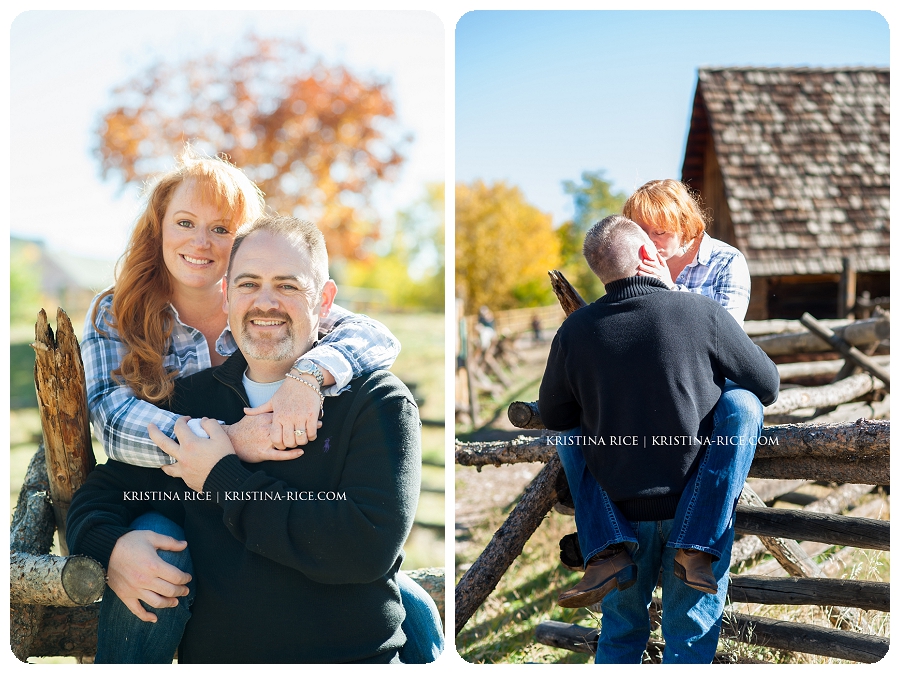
667, 243
196, 239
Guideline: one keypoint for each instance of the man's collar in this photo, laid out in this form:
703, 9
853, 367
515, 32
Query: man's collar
231, 372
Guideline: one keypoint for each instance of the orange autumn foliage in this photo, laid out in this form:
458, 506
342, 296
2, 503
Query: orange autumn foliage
315, 138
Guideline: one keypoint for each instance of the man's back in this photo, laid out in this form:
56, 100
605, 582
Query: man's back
640, 371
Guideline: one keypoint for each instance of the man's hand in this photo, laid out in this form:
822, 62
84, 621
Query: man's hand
194, 456
251, 441
656, 268
295, 407
137, 573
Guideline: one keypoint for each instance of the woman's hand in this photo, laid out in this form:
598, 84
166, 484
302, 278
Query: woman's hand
295, 409
656, 268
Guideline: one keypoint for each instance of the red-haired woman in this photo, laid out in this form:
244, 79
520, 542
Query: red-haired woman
689, 260
164, 319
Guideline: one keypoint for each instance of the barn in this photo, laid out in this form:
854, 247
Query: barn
793, 165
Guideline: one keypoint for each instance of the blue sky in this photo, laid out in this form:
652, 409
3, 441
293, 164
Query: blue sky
542, 96
63, 66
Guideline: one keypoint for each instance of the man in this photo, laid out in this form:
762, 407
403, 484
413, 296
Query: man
640, 371
294, 561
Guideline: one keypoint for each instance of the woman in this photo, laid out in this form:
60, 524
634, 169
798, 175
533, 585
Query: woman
689, 260
164, 319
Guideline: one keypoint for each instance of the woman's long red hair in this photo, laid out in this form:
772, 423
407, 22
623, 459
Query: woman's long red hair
143, 287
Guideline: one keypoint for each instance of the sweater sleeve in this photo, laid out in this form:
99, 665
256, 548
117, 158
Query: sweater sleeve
744, 362
558, 406
351, 531
113, 495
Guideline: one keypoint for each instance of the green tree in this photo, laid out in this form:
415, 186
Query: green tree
594, 200
504, 248
411, 271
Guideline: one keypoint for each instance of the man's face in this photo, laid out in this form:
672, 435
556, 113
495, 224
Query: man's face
272, 300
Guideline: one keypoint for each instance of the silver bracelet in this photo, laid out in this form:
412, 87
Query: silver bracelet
303, 381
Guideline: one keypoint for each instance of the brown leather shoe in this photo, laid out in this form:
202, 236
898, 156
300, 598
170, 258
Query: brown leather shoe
694, 567
608, 570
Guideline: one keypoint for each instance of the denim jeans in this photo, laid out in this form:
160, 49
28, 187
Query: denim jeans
123, 638
705, 512
691, 620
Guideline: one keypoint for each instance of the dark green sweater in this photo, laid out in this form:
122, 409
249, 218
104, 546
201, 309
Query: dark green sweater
640, 370
295, 561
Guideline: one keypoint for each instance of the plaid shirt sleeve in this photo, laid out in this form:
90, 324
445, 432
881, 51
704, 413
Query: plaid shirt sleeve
732, 286
725, 279
119, 418
353, 345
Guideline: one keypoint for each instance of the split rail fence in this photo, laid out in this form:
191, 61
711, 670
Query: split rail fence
829, 427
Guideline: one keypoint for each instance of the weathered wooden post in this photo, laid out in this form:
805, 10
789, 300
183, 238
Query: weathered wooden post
62, 399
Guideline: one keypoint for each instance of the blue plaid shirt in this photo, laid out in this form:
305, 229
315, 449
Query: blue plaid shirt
720, 272
353, 345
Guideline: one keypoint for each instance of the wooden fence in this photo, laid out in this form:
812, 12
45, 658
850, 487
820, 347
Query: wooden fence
827, 446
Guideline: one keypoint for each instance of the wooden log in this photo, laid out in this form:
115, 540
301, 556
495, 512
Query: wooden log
849, 412
584, 640
861, 594
568, 297
836, 501
49, 580
68, 631
432, 581
769, 490
522, 414
856, 452
523, 449
832, 566
31, 532
819, 368
62, 399
779, 326
799, 525
840, 392
788, 552
858, 333
802, 638
849, 351
507, 543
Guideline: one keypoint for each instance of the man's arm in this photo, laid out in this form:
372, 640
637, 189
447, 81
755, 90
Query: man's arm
98, 526
559, 409
744, 362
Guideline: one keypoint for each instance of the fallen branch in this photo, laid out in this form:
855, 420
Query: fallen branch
851, 353
859, 333
507, 543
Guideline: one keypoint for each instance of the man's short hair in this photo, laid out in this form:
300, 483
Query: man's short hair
610, 247
298, 233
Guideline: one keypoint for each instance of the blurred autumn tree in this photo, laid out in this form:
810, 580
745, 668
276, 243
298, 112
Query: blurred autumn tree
412, 276
504, 248
315, 138
594, 200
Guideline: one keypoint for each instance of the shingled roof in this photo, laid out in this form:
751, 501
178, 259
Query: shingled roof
804, 155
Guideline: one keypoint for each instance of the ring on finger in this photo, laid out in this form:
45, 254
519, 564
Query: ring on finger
299, 433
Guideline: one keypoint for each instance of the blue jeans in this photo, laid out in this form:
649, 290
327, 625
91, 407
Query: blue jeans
705, 512
691, 620
123, 638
